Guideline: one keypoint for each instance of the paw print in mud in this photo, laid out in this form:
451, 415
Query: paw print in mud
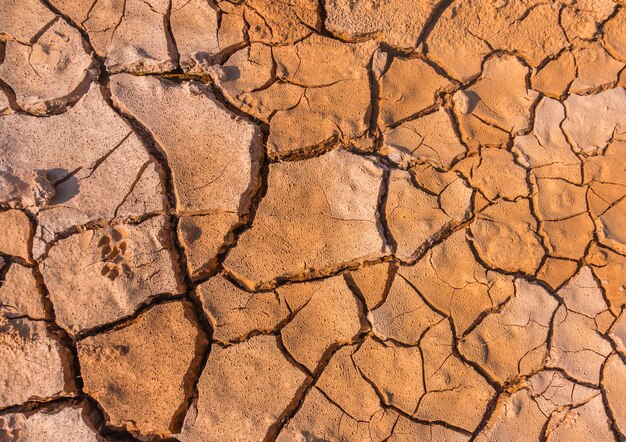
116, 254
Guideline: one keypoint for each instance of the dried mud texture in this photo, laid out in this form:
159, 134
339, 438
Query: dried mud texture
339, 220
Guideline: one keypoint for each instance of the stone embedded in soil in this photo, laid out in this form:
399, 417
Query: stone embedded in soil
235, 313
394, 22
215, 165
20, 294
416, 216
32, 366
15, 234
453, 282
69, 187
409, 86
329, 302
505, 237
151, 359
317, 215
512, 341
430, 138
242, 391
66, 424
100, 276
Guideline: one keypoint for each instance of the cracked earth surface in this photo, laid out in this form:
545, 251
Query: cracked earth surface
301, 220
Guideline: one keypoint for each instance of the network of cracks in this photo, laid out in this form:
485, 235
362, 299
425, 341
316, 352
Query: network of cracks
312, 220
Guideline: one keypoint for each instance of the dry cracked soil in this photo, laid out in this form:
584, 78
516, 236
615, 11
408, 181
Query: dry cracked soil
312, 220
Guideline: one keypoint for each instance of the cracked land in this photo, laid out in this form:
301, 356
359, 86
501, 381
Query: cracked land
312, 220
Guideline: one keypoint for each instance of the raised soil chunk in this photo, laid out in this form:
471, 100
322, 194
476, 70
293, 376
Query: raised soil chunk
614, 34
336, 102
20, 294
407, 430
65, 424
236, 314
596, 69
404, 316
546, 149
408, 87
151, 359
394, 22
548, 400
242, 392
497, 105
194, 26
319, 214
473, 28
430, 138
15, 234
32, 366
508, 183
215, 165
66, 186
593, 120
450, 279
512, 341
505, 237
394, 370
321, 419
280, 24
617, 333
23, 19
613, 386
100, 276
49, 71
455, 392
554, 79
373, 282
418, 215
132, 35
610, 269
329, 302
577, 345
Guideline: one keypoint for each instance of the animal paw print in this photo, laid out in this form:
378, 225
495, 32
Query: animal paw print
115, 254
